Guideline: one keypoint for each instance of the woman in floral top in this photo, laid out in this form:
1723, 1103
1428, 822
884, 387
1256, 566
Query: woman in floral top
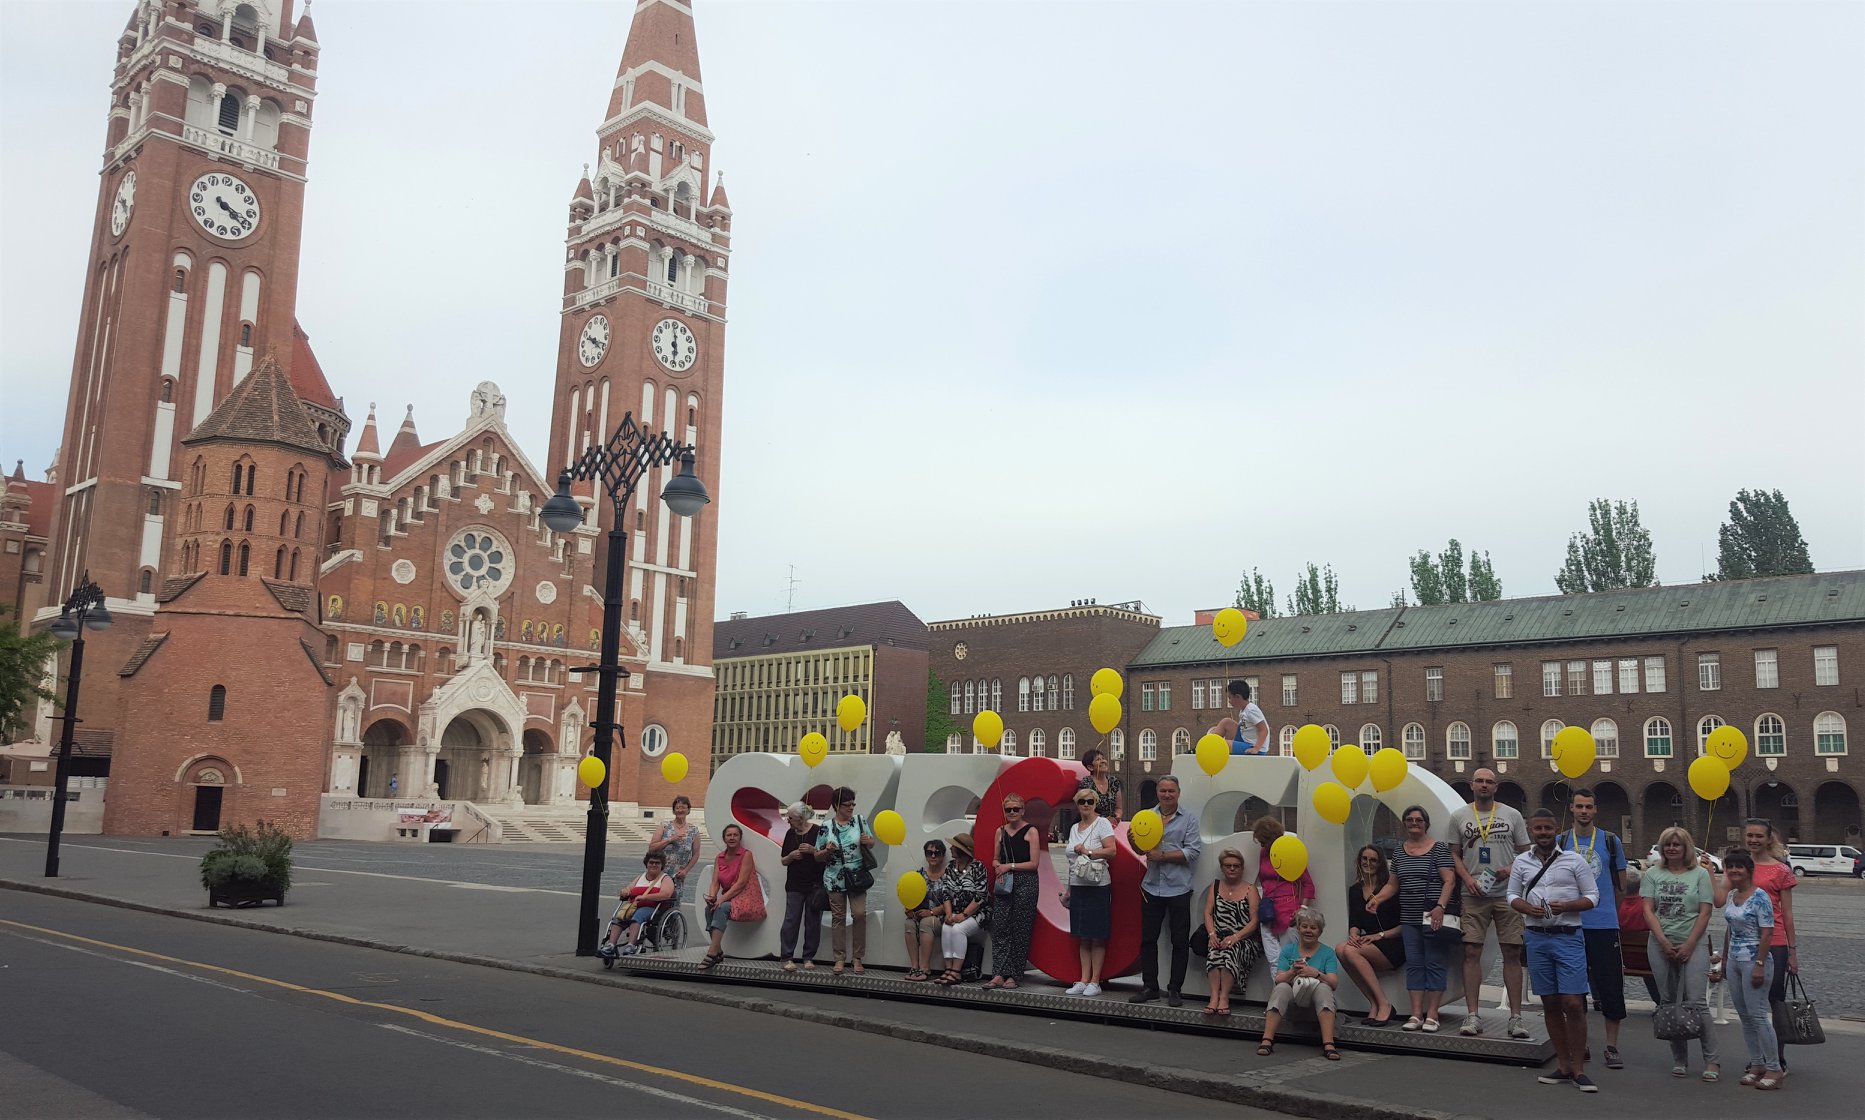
965, 907
1751, 969
677, 841
1108, 795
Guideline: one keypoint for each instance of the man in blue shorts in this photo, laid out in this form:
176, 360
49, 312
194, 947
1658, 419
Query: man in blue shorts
1245, 726
1551, 888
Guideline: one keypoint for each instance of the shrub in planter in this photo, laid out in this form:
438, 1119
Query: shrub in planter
247, 866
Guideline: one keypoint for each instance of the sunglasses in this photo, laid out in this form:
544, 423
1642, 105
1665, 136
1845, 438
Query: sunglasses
934, 852
1013, 810
1084, 801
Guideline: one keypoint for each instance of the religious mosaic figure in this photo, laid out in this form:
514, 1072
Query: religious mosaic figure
334, 609
417, 618
382, 613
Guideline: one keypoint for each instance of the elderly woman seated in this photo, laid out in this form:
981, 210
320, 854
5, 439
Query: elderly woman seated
641, 900
1306, 976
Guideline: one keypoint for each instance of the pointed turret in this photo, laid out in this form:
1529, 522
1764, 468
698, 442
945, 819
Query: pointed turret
366, 445
19, 471
718, 196
584, 191
661, 39
406, 448
305, 30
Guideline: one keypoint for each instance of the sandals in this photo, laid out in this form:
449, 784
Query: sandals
918, 976
1007, 986
808, 965
1331, 1052
1712, 1075
1210, 1009
1224, 1012
994, 983
858, 969
1680, 1071
1265, 1048
711, 960
838, 968
948, 979
1769, 1083
790, 966
1749, 1078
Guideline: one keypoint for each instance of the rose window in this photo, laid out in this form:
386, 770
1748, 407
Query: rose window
479, 559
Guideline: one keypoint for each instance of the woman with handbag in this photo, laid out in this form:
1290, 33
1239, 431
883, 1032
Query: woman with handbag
1090, 893
1677, 895
1374, 942
802, 883
1751, 969
849, 874
1231, 943
1306, 975
965, 908
1013, 912
1281, 898
735, 895
1426, 877
1777, 880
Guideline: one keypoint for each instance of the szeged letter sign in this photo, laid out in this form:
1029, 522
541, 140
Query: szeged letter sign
933, 794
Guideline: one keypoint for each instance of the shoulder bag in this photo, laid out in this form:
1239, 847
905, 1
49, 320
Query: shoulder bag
859, 879
1201, 937
1675, 1020
1006, 884
1796, 1021
1089, 871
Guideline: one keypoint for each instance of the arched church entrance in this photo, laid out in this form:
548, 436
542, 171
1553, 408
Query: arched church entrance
533, 768
475, 745
382, 749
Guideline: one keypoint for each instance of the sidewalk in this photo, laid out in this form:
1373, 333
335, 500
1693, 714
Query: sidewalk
533, 929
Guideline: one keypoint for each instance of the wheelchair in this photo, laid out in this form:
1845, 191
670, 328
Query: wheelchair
665, 932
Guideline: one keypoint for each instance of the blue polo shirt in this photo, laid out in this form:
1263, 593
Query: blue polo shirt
1166, 880
1605, 855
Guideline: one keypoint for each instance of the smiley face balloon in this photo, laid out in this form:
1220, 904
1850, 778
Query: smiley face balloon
1229, 627
1727, 745
1146, 829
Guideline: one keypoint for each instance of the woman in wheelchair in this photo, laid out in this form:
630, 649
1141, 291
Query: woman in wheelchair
640, 901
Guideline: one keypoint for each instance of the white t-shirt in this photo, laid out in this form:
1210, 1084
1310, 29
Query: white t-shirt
1091, 837
1248, 723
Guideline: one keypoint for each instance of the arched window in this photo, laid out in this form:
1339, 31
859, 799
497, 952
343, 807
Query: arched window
252, 476
1704, 726
1009, 743
1068, 692
246, 555
180, 283
1333, 736
1606, 737
239, 475
155, 503
1503, 742
297, 530
1549, 729
997, 694
1023, 694
1370, 737
217, 702
1039, 746
1036, 693
1770, 736
970, 698
1829, 734
1413, 739
1149, 746
1285, 741
957, 696
145, 581
1055, 693
1065, 743
1181, 742
246, 334
293, 573
953, 743
1457, 740
226, 558
284, 522
231, 514
248, 527
229, 113
278, 564
1117, 743
1657, 737
673, 265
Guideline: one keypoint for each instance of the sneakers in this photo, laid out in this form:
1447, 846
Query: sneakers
1613, 1060
1557, 1077
1517, 1029
1077, 988
1585, 1084
1144, 995
1473, 1026
1091, 990
606, 950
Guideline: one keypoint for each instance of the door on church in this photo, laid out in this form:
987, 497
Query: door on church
440, 778
362, 777
207, 808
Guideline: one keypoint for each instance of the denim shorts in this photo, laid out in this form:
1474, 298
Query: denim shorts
1557, 962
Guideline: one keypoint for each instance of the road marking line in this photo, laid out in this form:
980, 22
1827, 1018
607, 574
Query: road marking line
555, 1067
138, 964
454, 1024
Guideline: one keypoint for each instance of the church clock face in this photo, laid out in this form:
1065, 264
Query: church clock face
122, 205
674, 345
224, 206
593, 343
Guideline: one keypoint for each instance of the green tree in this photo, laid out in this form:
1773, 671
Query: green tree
1317, 591
1614, 552
1443, 578
1484, 586
940, 726
1427, 581
1761, 538
1257, 594
22, 668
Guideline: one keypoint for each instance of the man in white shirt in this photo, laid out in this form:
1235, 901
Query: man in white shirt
1550, 887
1245, 727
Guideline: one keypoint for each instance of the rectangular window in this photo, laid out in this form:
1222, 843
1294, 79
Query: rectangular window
1654, 674
1197, 696
1628, 675
1825, 665
1602, 678
1146, 698
1369, 688
1505, 680
1350, 688
1165, 696
1288, 690
1767, 669
1220, 698
1550, 678
1709, 672
1434, 683
1576, 678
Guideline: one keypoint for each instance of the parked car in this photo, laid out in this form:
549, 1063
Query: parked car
1826, 859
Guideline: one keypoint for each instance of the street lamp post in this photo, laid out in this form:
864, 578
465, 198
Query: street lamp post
84, 610
617, 467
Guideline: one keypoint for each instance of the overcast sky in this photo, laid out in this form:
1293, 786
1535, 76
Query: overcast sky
1042, 301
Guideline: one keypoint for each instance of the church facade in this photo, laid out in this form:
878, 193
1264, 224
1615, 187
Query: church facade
295, 618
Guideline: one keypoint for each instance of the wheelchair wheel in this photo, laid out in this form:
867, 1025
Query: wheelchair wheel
671, 937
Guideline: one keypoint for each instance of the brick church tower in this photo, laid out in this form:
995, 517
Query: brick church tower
643, 331
192, 272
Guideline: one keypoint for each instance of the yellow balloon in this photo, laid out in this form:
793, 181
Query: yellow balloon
1388, 769
912, 890
850, 712
1350, 766
1312, 745
1146, 829
673, 767
1333, 802
814, 748
1574, 751
1229, 627
591, 771
1213, 753
1709, 777
890, 828
1104, 713
1289, 856
1727, 745
1106, 682
989, 728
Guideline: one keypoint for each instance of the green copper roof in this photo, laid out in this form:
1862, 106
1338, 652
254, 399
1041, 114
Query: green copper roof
1820, 599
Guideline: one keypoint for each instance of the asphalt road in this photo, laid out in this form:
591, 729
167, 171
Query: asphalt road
116, 1014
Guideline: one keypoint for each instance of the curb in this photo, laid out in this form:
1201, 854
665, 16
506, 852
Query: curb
1197, 1083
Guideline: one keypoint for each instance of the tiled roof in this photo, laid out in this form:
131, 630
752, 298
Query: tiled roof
143, 653
261, 409
316, 661
294, 597
174, 587
879, 624
92, 742
1811, 600
307, 377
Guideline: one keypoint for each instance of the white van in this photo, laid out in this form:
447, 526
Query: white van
1826, 859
